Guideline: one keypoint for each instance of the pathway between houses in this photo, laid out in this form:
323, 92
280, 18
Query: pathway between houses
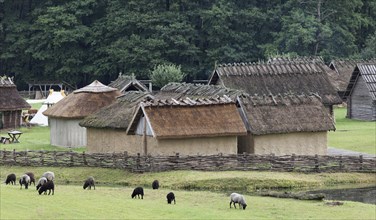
335, 151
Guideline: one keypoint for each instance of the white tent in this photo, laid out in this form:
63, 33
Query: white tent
53, 97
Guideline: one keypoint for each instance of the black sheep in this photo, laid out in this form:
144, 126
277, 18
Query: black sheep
11, 178
155, 184
24, 180
137, 192
32, 178
171, 197
89, 182
49, 185
41, 181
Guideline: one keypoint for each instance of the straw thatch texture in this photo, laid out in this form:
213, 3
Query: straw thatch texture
83, 102
10, 99
183, 90
286, 114
117, 115
277, 78
193, 118
126, 83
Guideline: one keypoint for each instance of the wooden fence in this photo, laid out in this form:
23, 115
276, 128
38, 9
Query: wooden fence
206, 163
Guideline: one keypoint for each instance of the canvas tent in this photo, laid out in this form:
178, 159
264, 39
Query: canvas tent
53, 97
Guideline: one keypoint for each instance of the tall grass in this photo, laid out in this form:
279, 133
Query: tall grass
353, 134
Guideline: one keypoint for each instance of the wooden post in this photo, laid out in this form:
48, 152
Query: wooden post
340, 163
84, 158
138, 160
317, 163
292, 162
113, 159
41, 159
145, 138
71, 157
27, 158
14, 156
4, 154
125, 158
271, 160
361, 162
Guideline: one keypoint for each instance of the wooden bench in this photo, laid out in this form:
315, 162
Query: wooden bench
5, 140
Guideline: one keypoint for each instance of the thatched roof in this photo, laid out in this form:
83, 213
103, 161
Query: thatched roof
190, 118
126, 83
183, 90
83, 102
275, 78
368, 73
10, 99
343, 69
118, 114
286, 114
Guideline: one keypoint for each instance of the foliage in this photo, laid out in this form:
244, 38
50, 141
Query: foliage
79, 41
165, 73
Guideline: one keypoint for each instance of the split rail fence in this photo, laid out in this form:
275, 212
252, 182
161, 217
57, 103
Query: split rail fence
218, 162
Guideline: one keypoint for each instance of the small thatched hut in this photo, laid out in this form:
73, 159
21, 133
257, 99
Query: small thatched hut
361, 93
295, 76
11, 104
126, 83
65, 115
285, 125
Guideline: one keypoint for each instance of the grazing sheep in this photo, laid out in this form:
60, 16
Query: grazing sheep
11, 178
32, 177
24, 180
89, 182
155, 184
137, 192
50, 176
49, 185
171, 197
41, 181
237, 198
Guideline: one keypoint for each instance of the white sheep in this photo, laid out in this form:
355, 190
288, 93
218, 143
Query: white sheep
237, 198
50, 176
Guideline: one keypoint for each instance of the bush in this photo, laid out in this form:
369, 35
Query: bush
165, 73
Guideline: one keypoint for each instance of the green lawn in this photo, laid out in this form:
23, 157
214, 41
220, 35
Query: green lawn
352, 134
112, 200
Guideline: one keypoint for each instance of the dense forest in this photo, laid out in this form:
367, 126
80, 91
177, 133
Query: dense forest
77, 41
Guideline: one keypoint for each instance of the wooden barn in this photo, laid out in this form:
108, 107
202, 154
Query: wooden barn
126, 83
285, 125
278, 77
64, 116
11, 104
361, 93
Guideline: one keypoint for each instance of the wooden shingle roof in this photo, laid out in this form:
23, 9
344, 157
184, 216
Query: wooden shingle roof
275, 78
10, 99
127, 83
368, 73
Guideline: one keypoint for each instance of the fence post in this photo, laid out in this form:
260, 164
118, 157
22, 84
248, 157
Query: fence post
292, 162
317, 163
340, 163
125, 158
26, 158
84, 158
113, 159
138, 160
271, 160
14, 156
71, 157
41, 159
361, 162
4, 155
54, 156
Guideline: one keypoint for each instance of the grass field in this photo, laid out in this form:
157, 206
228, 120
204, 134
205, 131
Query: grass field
352, 134
208, 197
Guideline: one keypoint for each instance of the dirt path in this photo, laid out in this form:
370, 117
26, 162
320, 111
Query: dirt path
335, 151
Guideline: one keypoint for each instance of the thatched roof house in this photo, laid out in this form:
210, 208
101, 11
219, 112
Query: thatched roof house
285, 124
361, 93
65, 115
273, 78
126, 83
11, 104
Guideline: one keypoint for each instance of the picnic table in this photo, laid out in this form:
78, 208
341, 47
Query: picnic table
14, 136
